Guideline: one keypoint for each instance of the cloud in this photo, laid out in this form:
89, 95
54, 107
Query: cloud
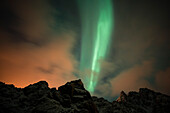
162, 80
138, 38
37, 39
31, 50
132, 79
32, 17
107, 68
24, 64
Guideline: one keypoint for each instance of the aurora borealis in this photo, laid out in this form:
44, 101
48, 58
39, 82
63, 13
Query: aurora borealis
111, 45
97, 25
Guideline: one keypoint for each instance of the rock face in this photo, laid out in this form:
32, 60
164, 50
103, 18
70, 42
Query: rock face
74, 98
144, 101
39, 98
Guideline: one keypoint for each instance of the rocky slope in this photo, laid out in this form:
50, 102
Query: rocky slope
74, 98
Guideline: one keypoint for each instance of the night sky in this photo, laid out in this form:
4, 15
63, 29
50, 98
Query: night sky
42, 40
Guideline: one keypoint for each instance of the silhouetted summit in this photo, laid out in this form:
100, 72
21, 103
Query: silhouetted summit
74, 98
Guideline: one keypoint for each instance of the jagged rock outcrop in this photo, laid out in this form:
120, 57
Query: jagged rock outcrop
122, 97
144, 101
39, 98
74, 98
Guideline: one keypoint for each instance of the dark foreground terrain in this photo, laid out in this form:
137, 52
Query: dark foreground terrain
74, 98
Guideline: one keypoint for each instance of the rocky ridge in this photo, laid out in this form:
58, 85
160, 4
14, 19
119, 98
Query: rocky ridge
74, 98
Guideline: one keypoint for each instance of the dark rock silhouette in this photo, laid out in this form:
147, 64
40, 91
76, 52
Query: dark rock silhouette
74, 98
123, 97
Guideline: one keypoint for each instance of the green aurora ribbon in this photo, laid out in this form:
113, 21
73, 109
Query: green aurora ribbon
97, 24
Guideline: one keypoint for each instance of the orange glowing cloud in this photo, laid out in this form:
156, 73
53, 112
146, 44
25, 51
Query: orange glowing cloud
34, 51
25, 64
163, 81
132, 79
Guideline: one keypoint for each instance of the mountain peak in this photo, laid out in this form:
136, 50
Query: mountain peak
74, 98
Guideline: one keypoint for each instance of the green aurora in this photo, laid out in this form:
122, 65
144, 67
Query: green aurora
97, 25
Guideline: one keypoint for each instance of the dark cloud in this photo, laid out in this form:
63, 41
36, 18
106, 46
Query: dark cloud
162, 79
32, 50
140, 48
7, 16
39, 41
